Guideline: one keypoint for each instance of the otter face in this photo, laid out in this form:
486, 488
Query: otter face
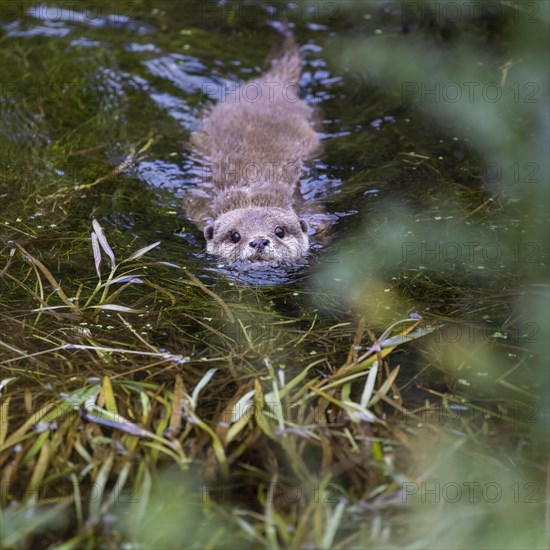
258, 234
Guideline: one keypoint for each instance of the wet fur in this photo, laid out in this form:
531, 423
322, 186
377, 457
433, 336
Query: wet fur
254, 154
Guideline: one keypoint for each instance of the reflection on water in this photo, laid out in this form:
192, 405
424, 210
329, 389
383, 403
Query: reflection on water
259, 273
186, 72
91, 17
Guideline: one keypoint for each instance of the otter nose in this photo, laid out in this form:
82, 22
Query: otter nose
259, 244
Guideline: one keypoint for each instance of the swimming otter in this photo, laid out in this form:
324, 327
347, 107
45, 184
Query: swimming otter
253, 145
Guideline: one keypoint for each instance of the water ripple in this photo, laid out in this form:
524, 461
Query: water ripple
186, 72
90, 18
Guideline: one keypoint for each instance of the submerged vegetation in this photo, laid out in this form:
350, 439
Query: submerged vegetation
393, 393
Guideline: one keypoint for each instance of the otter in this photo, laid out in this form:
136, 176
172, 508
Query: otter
253, 145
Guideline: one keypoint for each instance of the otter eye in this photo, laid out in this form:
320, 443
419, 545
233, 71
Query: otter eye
235, 236
280, 232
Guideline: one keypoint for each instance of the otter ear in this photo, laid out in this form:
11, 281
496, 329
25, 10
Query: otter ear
304, 225
209, 232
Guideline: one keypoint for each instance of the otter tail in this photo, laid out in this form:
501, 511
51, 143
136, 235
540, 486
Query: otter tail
285, 58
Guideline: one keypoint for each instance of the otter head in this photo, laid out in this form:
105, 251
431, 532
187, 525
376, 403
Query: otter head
258, 234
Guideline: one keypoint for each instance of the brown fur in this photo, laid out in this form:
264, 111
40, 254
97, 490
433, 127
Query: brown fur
253, 144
